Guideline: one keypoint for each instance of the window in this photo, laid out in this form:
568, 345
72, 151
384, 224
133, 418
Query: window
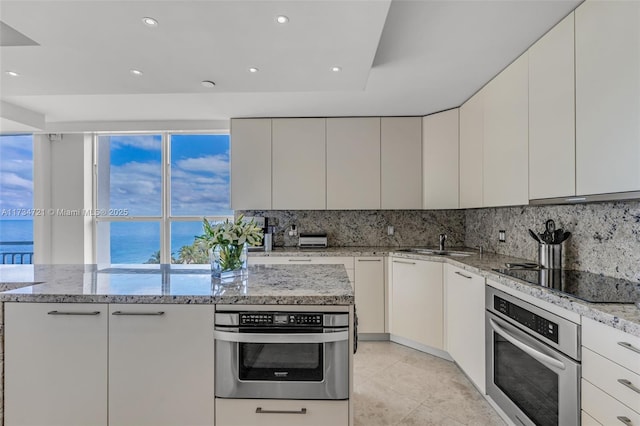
153, 191
16, 199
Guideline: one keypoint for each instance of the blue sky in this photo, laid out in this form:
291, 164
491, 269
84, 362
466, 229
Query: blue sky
16, 173
199, 173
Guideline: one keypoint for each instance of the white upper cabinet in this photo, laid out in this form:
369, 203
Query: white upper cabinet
506, 136
251, 164
299, 163
401, 166
353, 163
471, 148
607, 97
440, 160
552, 113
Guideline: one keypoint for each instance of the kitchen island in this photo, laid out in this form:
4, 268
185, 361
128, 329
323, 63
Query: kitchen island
87, 345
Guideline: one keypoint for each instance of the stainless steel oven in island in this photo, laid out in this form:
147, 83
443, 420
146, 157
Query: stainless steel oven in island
282, 365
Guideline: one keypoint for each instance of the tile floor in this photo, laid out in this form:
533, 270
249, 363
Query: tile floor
396, 385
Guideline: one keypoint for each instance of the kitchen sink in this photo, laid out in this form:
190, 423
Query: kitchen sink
434, 252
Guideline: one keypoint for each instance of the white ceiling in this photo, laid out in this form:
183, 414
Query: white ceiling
397, 58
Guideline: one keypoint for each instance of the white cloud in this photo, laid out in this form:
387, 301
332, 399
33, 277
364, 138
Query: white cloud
13, 181
217, 164
146, 142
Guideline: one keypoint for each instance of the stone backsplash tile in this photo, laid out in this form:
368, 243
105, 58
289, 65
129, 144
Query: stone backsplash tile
605, 240
605, 236
368, 228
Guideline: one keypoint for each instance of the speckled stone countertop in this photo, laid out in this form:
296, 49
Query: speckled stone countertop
183, 287
265, 285
625, 317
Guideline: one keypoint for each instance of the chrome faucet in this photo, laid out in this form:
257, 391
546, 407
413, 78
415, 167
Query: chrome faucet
442, 238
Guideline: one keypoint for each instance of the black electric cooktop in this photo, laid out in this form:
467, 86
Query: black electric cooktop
582, 285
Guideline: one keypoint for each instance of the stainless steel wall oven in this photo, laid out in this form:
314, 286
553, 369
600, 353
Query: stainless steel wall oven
533, 362
283, 355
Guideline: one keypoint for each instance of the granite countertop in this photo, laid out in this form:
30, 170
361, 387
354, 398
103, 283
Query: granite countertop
265, 285
625, 317
277, 284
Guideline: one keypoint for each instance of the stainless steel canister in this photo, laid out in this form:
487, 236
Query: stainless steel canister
268, 242
550, 256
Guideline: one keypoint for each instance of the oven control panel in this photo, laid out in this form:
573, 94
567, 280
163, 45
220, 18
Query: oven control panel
280, 319
540, 325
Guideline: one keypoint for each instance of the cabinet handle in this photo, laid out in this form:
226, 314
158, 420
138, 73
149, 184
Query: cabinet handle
629, 346
368, 260
463, 275
139, 313
73, 313
259, 410
406, 263
626, 420
628, 384
299, 260
575, 199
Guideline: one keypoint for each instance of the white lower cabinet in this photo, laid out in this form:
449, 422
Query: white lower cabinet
55, 364
281, 412
465, 313
369, 294
417, 302
610, 374
97, 364
161, 365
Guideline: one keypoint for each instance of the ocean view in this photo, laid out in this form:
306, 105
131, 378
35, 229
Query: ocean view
131, 242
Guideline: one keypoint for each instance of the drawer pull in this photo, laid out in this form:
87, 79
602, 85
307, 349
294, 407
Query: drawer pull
138, 313
463, 275
625, 420
259, 410
368, 260
299, 260
73, 313
629, 346
406, 263
628, 384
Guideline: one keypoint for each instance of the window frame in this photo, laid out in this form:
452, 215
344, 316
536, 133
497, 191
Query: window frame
165, 219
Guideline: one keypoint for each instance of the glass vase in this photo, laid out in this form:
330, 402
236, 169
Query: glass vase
229, 261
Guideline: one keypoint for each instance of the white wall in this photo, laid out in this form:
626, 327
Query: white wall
63, 188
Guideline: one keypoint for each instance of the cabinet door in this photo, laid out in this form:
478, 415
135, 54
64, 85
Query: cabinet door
353, 163
506, 136
607, 97
401, 165
55, 364
369, 292
161, 365
417, 302
251, 164
440, 160
299, 163
465, 312
471, 148
552, 113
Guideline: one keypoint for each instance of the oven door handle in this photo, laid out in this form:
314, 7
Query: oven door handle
227, 336
543, 358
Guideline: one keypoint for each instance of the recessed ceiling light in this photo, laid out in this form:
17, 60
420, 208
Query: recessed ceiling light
207, 83
253, 69
12, 73
336, 69
149, 22
135, 72
281, 19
